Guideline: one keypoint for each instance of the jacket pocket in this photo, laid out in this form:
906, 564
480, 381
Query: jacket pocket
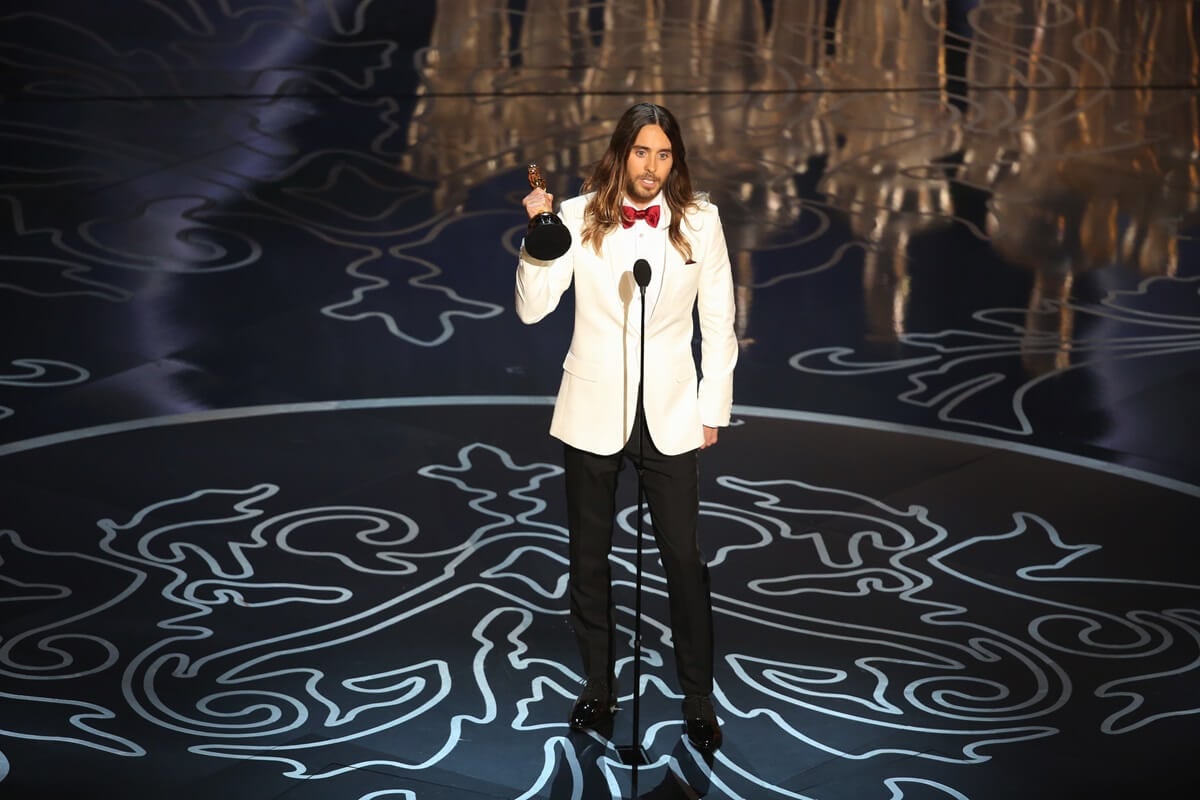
584, 370
685, 370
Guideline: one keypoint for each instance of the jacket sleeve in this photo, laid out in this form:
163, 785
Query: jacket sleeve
718, 341
540, 284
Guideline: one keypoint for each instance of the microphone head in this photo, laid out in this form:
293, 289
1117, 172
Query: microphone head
641, 272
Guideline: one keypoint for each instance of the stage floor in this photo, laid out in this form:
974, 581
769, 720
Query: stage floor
279, 513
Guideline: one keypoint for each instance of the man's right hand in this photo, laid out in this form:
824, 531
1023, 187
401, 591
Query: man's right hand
539, 201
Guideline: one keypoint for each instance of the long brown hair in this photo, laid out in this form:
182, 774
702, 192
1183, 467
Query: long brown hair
608, 178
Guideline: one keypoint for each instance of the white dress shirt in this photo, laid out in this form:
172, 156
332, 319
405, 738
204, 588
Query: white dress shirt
650, 243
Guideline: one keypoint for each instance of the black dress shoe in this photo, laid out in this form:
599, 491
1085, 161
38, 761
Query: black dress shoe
701, 722
594, 707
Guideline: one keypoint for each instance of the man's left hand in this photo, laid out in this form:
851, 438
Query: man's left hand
710, 437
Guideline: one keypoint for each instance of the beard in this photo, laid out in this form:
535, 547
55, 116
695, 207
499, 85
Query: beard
640, 194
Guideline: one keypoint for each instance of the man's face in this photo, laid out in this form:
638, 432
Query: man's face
648, 165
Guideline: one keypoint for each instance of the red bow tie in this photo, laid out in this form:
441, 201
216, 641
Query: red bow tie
629, 215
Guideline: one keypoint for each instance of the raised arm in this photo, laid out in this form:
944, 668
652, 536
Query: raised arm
540, 284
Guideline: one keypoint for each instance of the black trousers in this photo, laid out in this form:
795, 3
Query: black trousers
672, 493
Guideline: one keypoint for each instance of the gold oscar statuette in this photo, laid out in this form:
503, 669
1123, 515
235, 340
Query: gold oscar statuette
547, 238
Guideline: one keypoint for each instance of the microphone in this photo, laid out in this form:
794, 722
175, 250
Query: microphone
641, 272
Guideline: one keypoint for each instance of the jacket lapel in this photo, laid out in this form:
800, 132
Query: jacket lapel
672, 264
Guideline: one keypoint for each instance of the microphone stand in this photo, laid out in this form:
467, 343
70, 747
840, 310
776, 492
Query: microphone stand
634, 754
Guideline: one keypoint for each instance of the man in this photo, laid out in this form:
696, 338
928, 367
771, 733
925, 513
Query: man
639, 204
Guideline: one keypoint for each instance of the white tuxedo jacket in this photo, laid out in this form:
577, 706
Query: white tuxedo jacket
597, 398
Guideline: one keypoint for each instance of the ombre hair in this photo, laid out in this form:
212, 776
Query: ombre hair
608, 178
